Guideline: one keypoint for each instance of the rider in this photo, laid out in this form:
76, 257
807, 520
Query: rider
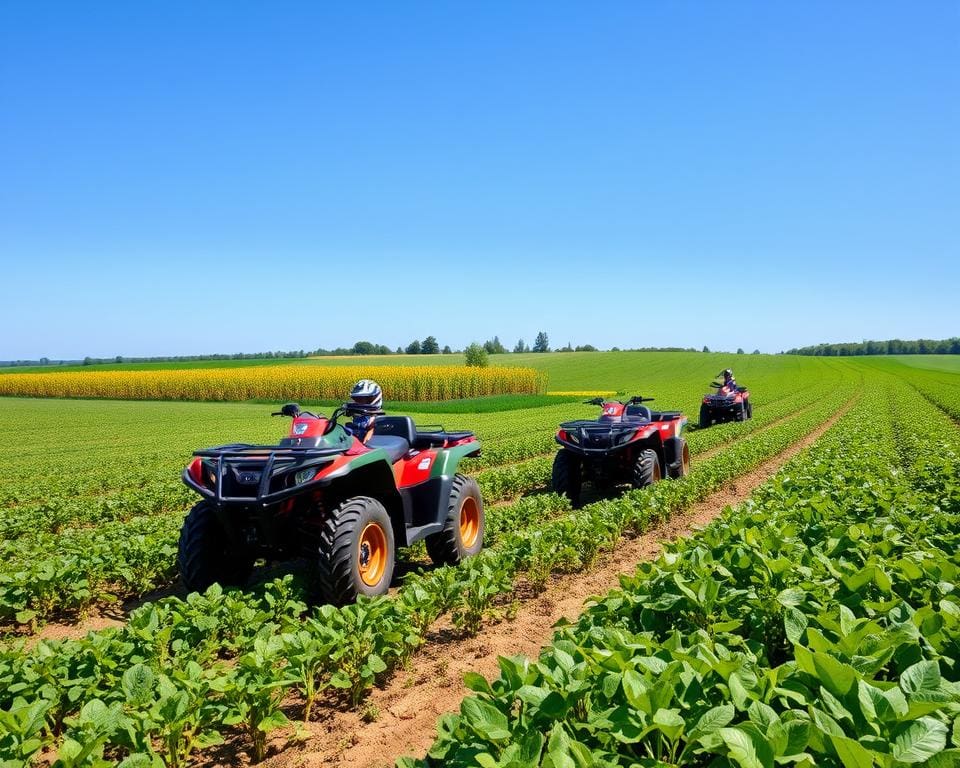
729, 383
367, 394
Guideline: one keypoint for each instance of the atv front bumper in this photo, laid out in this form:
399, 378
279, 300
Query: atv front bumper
258, 474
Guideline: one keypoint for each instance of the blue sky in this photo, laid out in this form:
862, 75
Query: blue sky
183, 178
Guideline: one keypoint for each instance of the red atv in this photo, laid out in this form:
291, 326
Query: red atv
728, 403
324, 495
628, 443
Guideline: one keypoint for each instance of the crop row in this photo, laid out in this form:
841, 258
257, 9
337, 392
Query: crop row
817, 625
181, 672
64, 555
295, 382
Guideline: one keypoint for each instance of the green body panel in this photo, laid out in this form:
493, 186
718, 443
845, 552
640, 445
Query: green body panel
448, 459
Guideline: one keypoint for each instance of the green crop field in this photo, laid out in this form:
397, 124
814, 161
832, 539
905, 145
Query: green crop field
818, 624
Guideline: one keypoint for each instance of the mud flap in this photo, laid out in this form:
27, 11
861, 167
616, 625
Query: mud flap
677, 456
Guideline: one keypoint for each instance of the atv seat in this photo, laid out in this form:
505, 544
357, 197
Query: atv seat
395, 426
395, 447
394, 434
638, 411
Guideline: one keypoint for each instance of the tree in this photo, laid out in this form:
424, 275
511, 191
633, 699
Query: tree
399, 350
476, 356
363, 348
740, 350
413, 348
494, 347
520, 347
542, 342
447, 350
756, 352
430, 346
586, 348
706, 348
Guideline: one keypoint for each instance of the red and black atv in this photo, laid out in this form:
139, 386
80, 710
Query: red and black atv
728, 403
324, 495
628, 443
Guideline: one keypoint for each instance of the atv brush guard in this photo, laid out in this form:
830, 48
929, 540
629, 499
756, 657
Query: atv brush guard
272, 470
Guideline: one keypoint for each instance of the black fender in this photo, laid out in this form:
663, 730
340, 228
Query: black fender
376, 480
673, 449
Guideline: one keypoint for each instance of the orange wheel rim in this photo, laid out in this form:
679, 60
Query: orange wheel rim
656, 471
686, 459
372, 554
469, 522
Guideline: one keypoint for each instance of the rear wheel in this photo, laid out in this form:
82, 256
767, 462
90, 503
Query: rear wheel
704, 417
357, 551
646, 469
749, 410
741, 413
567, 476
462, 534
204, 554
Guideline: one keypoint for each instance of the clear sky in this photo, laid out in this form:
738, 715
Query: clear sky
189, 177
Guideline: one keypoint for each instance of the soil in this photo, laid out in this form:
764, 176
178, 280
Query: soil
400, 718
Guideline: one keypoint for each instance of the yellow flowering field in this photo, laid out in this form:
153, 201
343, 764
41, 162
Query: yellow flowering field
281, 382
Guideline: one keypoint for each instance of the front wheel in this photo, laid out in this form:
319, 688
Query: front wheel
462, 534
567, 476
357, 551
204, 554
646, 469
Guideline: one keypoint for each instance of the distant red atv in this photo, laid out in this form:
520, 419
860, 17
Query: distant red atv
726, 404
628, 443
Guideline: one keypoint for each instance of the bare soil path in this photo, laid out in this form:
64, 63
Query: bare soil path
406, 709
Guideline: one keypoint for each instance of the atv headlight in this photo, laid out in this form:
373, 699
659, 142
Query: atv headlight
305, 475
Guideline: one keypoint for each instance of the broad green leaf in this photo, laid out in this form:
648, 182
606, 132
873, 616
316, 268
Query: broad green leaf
798, 732
25, 616
669, 722
738, 692
713, 719
762, 715
794, 624
851, 753
137, 684
922, 676
792, 597
834, 675
919, 740
747, 749
476, 682
485, 719
949, 758
636, 690
874, 706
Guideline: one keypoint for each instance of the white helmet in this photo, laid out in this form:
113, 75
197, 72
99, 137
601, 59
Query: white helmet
367, 392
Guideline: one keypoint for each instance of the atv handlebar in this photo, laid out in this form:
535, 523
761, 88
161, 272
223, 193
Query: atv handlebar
632, 401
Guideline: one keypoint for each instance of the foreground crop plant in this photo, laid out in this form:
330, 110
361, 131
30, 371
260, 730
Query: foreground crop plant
323, 494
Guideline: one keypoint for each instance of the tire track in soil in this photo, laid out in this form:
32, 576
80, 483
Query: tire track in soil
411, 701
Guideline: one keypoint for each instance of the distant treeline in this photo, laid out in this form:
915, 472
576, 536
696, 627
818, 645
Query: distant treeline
888, 347
428, 346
